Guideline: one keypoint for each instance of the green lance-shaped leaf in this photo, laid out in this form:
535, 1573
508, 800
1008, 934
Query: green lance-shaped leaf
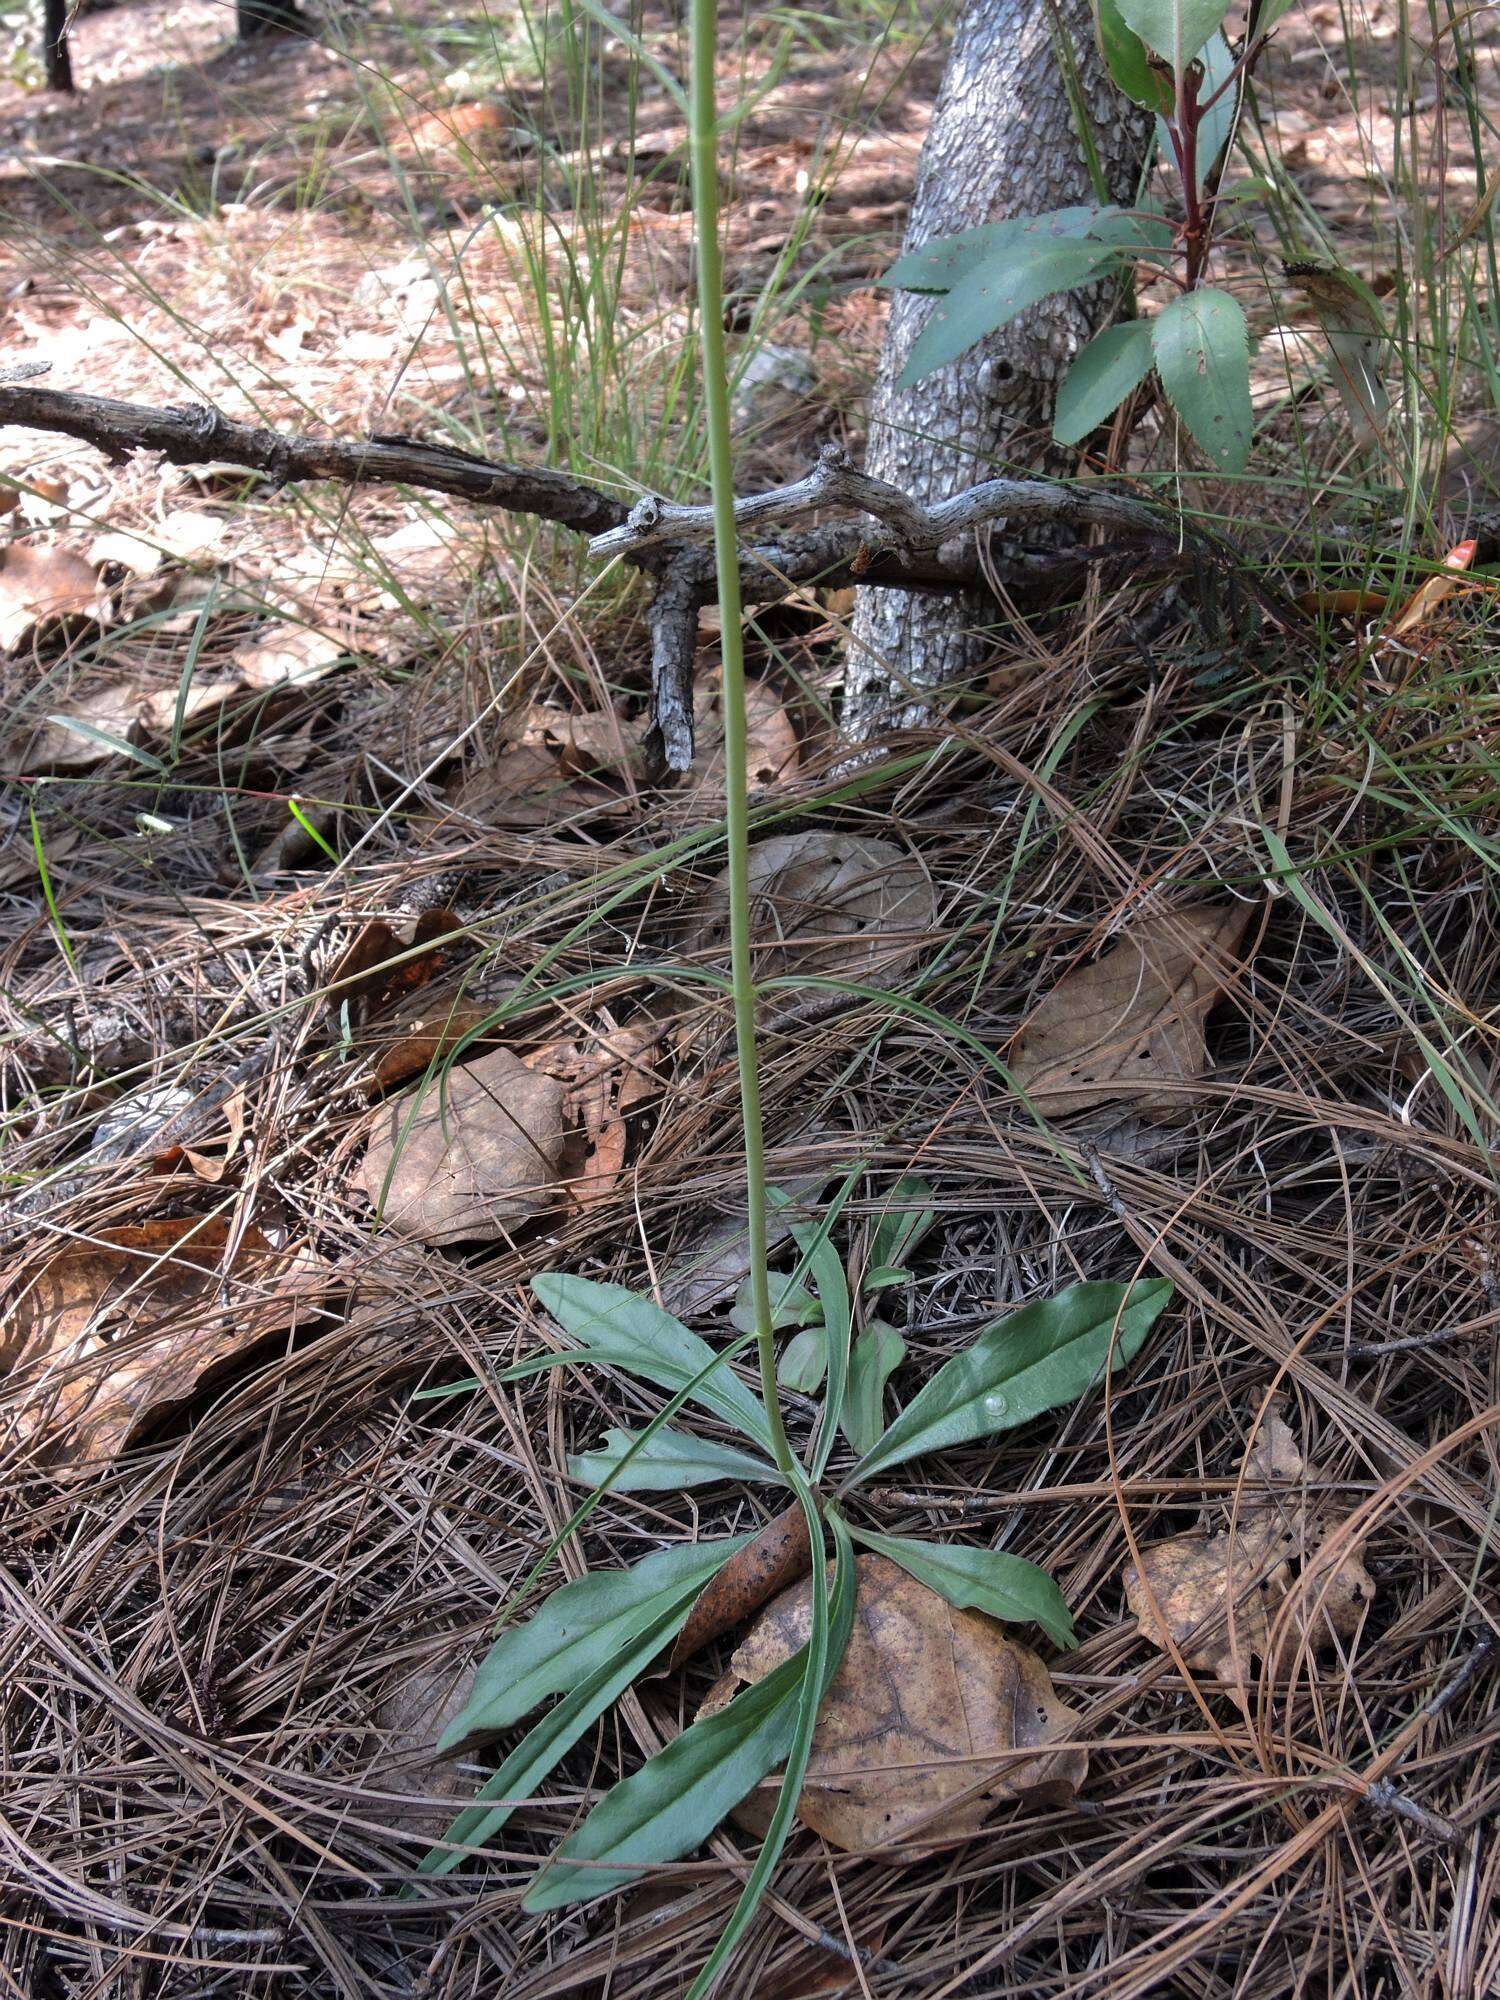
666, 1461
1174, 29
905, 1222
881, 1277
804, 1361
1141, 232
994, 291
1049, 1353
809, 1355
791, 1305
939, 265
985, 1580
543, 1746
1203, 358
676, 1799
1113, 364
624, 1330
579, 1628
876, 1356
1129, 66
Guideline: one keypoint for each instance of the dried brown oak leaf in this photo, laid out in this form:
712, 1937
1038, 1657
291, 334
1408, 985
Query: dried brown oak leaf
606, 1074
917, 1733
1259, 1590
827, 904
1133, 1018
106, 1335
466, 1155
772, 755
40, 584
425, 1783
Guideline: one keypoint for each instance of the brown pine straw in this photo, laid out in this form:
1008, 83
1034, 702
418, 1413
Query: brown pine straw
207, 1784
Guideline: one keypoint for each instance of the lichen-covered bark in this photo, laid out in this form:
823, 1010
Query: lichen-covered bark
1002, 142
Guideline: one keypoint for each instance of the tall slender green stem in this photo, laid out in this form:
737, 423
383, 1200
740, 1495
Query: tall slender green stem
704, 124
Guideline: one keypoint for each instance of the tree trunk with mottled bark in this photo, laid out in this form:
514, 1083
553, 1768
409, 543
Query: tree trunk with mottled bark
1002, 142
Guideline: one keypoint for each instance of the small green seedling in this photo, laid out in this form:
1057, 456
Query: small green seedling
591, 1639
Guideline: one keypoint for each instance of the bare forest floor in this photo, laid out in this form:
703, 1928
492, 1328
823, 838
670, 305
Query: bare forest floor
244, 1574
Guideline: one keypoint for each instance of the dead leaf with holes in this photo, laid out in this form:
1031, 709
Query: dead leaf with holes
468, 1155
918, 1735
606, 1076
1131, 1020
44, 584
584, 741
773, 755
104, 1337
827, 905
1274, 1581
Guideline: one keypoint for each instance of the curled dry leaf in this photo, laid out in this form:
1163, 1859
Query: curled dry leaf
827, 904
465, 1156
1133, 1018
43, 583
605, 1076
1425, 600
779, 1555
107, 1334
772, 752
917, 1735
1261, 1589
183, 536
376, 970
418, 1036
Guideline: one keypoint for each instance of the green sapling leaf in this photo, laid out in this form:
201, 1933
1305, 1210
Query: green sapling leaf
1113, 364
1202, 352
